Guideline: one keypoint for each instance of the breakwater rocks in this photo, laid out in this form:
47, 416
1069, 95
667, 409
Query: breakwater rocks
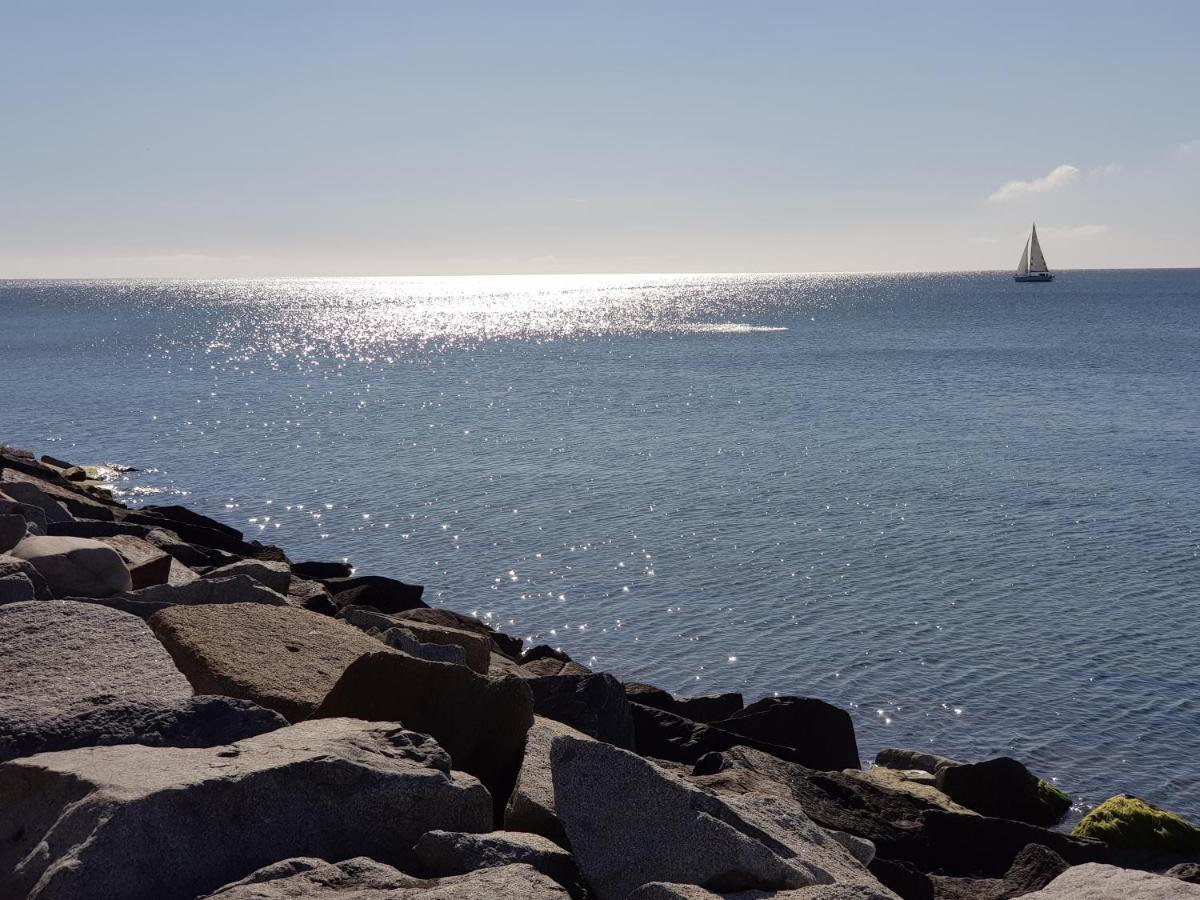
186, 713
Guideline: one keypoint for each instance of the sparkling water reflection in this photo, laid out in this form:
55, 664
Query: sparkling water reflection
960, 507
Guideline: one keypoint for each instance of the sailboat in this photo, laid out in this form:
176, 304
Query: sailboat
1032, 266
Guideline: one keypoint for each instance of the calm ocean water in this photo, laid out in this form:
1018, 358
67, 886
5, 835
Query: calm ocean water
965, 509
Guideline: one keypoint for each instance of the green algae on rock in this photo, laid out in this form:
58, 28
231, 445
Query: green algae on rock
1125, 822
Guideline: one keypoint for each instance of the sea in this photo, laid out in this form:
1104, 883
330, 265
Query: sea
964, 509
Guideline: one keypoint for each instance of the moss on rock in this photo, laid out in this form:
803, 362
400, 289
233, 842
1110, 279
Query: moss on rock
1125, 822
1057, 800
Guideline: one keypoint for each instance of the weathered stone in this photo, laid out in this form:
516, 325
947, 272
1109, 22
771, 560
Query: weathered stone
92, 529
30, 494
1101, 882
665, 735
194, 556
10, 565
384, 594
365, 879
543, 651
916, 782
531, 806
985, 846
902, 826
149, 822
138, 552
1141, 833
1189, 872
455, 853
706, 709
480, 721
195, 529
1003, 788
12, 531
34, 516
630, 823
54, 498
311, 595
892, 758
477, 649
502, 665
370, 620
551, 665
275, 575
151, 572
1034, 868
505, 644
822, 735
155, 598
16, 588
400, 638
71, 671
75, 567
319, 570
594, 704
283, 658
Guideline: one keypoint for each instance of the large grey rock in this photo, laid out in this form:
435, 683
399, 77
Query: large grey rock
594, 704
397, 635
283, 658
1004, 788
903, 827
894, 758
10, 565
455, 853
504, 644
69, 671
34, 516
630, 823
139, 553
275, 575
78, 500
1096, 881
365, 879
75, 567
531, 805
147, 822
707, 708
12, 531
227, 589
820, 734
30, 494
16, 588
477, 649
401, 638
480, 721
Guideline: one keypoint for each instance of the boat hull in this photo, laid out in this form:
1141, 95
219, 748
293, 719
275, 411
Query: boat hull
1034, 277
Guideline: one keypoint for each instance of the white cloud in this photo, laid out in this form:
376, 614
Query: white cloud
1189, 148
1075, 231
1106, 171
1060, 177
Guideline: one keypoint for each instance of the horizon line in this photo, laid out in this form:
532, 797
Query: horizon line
643, 274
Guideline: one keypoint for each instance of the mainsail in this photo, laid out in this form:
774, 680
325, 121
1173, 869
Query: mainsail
1037, 262
1023, 265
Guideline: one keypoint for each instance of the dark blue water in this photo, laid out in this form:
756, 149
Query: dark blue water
963, 508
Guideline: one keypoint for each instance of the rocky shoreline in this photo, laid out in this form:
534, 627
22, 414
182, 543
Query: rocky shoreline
187, 713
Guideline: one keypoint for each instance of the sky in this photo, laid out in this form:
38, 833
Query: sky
243, 139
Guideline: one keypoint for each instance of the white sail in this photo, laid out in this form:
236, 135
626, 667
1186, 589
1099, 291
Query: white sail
1023, 265
1037, 262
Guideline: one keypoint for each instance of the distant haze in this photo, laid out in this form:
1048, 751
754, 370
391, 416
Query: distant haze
229, 139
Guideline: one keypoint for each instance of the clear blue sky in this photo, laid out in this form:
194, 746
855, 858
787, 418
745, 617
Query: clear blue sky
248, 138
